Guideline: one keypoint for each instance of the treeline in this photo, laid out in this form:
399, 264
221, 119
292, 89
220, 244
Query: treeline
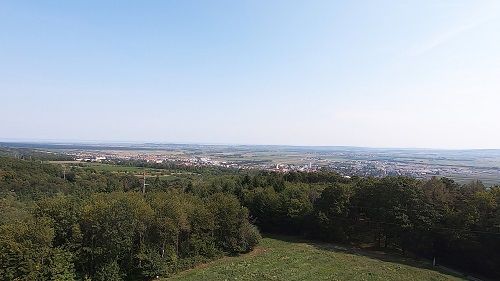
174, 166
32, 154
96, 226
459, 225
90, 223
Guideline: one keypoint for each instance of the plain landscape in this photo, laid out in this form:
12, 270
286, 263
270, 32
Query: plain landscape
273, 140
460, 165
191, 212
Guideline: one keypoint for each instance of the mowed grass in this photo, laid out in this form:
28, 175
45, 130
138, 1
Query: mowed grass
104, 167
276, 259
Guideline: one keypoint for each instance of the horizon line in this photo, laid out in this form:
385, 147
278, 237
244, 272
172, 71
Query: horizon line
95, 142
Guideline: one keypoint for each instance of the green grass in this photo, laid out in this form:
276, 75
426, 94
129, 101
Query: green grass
118, 168
164, 174
284, 260
114, 168
102, 166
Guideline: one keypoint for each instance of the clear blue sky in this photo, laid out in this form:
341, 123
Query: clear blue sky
400, 73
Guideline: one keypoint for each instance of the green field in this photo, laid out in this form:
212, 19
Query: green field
105, 167
277, 259
116, 168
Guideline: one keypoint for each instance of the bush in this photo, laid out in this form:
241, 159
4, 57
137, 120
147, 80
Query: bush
250, 236
109, 272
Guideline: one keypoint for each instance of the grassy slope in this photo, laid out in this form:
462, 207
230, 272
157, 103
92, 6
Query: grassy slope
280, 260
116, 168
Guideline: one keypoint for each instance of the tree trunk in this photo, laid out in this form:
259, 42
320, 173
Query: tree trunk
163, 249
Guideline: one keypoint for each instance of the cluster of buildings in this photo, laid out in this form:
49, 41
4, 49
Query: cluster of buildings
377, 168
371, 168
90, 158
284, 168
346, 164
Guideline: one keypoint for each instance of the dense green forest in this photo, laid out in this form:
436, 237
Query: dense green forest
80, 223
87, 225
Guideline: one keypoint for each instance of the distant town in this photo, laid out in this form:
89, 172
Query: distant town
462, 166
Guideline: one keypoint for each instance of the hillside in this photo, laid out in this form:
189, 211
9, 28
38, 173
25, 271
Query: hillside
61, 222
284, 260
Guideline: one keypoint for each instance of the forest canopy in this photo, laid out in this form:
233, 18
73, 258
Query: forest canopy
77, 223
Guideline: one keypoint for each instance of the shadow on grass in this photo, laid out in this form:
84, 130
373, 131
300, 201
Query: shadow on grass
370, 253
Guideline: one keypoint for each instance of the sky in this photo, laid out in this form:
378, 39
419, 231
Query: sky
401, 73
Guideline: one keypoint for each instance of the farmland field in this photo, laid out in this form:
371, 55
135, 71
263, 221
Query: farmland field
278, 259
116, 168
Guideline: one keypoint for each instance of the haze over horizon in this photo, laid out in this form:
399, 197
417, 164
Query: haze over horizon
418, 74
